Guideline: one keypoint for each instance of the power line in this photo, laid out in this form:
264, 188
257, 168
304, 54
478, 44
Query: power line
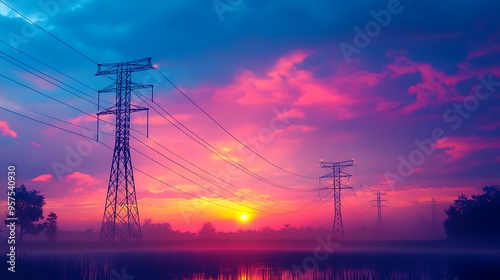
229, 133
356, 197
359, 182
140, 141
45, 64
185, 95
48, 81
195, 196
214, 150
38, 121
161, 181
261, 178
53, 98
217, 204
329, 196
41, 93
73, 108
52, 35
75, 79
109, 123
57, 119
236, 188
82, 97
152, 177
348, 204
205, 188
79, 134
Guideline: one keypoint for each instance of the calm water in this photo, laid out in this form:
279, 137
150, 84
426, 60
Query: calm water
245, 265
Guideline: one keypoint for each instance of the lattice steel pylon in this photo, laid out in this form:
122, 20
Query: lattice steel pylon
433, 225
379, 203
336, 175
121, 213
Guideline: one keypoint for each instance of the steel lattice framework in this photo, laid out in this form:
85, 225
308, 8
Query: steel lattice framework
433, 225
336, 175
121, 213
379, 203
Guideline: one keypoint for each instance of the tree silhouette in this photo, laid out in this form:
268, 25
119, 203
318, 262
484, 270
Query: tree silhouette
29, 209
477, 218
51, 227
207, 231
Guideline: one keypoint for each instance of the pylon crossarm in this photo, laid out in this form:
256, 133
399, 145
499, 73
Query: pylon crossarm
134, 66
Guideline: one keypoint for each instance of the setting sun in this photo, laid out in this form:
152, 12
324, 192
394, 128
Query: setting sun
244, 218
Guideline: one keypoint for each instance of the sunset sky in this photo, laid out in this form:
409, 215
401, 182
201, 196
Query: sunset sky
415, 104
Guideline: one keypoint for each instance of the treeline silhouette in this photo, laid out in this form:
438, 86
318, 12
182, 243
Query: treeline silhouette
475, 219
161, 231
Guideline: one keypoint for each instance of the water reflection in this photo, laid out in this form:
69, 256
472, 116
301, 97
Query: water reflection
244, 265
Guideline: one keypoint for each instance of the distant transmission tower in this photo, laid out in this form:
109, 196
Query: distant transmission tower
121, 213
336, 175
433, 225
379, 203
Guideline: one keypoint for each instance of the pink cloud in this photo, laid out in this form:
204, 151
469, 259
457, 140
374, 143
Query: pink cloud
492, 46
318, 94
81, 179
459, 147
387, 105
35, 144
484, 51
40, 83
288, 62
84, 119
247, 88
42, 178
490, 126
283, 82
362, 79
5, 130
286, 82
299, 128
292, 113
139, 119
276, 85
435, 87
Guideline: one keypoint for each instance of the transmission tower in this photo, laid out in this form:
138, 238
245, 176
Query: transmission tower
379, 203
336, 175
121, 213
433, 225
